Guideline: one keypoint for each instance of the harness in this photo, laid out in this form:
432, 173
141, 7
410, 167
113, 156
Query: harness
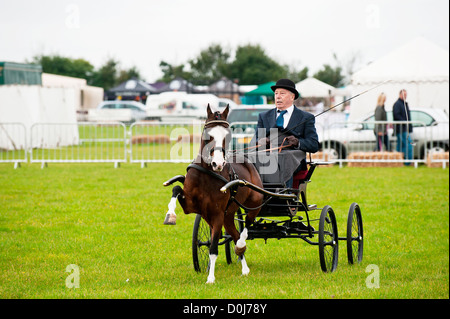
232, 173
233, 190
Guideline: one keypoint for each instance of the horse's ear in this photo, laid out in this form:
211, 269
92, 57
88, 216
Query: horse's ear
210, 113
225, 112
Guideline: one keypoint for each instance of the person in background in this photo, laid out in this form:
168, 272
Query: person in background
380, 130
401, 113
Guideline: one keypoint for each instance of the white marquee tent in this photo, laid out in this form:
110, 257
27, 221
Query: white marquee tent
312, 87
25, 106
420, 66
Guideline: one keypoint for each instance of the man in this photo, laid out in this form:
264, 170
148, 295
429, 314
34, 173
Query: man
401, 113
296, 127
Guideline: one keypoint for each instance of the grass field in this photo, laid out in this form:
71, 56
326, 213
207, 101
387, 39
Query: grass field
108, 222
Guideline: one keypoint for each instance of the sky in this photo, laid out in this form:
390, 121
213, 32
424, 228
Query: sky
142, 33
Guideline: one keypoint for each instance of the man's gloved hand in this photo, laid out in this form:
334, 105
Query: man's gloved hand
265, 141
292, 141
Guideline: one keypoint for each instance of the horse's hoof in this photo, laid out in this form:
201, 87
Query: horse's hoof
211, 280
170, 219
240, 250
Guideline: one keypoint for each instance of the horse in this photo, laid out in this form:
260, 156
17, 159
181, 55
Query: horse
201, 189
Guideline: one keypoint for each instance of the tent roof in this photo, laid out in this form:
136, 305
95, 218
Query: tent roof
417, 61
178, 85
312, 87
224, 85
133, 85
263, 89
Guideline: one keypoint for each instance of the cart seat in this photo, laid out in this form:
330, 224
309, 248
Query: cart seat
299, 177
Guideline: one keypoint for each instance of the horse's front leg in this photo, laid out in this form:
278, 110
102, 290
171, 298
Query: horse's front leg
171, 217
213, 252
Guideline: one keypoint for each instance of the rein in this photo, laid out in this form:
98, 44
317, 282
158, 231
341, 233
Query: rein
232, 172
206, 171
279, 148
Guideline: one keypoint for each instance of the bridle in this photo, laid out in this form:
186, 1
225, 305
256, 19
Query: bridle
210, 124
220, 122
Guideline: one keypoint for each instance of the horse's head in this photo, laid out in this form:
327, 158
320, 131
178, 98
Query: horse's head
215, 139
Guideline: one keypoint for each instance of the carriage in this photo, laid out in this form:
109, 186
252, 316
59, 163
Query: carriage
287, 214
253, 202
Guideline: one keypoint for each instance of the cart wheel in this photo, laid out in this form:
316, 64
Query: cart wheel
355, 237
229, 245
328, 240
201, 241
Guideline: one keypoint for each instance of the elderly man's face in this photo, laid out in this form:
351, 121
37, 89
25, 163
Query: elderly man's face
283, 98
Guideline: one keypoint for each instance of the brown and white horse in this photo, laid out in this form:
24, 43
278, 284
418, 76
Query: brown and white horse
201, 192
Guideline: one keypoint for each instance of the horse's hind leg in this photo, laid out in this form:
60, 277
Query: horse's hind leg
171, 217
240, 248
230, 227
241, 245
245, 269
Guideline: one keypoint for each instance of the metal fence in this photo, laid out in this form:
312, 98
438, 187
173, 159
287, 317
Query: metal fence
81, 142
13, 143
150, 142
174, 142
357, 142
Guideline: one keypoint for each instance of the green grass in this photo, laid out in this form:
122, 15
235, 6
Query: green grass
109, 223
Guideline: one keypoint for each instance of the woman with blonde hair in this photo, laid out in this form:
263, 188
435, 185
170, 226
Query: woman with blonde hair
380, 130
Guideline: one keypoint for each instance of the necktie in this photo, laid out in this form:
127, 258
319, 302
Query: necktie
280, 119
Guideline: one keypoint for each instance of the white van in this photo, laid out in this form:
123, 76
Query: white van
181, 106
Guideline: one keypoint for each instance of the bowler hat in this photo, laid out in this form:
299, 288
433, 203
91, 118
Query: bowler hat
286, 84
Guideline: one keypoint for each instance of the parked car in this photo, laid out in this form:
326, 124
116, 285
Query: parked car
243, 120
118, 111
430, 131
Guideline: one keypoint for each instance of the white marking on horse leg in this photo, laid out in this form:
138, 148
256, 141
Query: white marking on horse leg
241, 241
245, 269
212, 264
171, 217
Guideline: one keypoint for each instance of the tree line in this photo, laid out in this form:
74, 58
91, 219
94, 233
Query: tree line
250, 66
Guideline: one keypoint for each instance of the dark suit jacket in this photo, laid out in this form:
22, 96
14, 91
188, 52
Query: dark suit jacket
301, 125
400, 115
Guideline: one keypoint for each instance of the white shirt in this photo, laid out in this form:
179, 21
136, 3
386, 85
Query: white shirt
287, 116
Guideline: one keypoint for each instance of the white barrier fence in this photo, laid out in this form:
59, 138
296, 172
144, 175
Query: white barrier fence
357, 142
150, 142
13, 143
82, 142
